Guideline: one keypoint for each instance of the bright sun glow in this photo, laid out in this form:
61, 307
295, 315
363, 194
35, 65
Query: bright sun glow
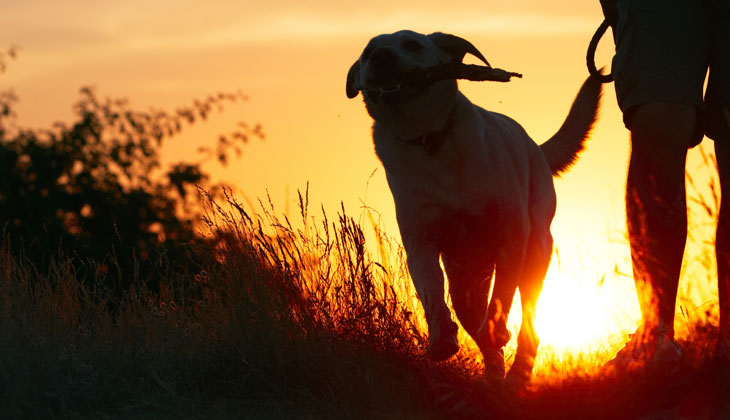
574, 313
581, 316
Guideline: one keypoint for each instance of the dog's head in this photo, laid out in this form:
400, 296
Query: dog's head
388, 58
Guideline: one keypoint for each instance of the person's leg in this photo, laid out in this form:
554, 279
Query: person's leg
718, 129
656, 207
659, 70
656, 216
722, 241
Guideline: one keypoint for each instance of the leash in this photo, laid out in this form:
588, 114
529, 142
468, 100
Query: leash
591, 55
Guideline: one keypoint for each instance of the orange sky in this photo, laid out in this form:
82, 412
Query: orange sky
292, 57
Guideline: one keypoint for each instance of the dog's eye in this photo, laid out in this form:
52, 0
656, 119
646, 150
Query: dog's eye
412, 45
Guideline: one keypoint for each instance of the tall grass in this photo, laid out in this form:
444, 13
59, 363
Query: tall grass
276, 322
276, 319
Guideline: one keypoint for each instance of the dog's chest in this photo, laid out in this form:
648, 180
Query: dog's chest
449, 181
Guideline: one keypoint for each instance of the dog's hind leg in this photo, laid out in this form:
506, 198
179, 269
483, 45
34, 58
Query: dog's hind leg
509, 261
469, 282
537, 261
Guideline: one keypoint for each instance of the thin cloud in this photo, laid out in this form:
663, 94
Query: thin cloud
314, 25
123, 29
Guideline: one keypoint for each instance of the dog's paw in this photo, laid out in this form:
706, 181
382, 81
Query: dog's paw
443, 348
519, 375
443, 342
493, 365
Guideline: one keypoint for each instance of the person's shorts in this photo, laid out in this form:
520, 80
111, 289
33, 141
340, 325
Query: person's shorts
663, 51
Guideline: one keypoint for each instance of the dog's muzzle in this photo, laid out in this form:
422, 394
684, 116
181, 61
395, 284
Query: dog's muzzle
392, 88
386, 77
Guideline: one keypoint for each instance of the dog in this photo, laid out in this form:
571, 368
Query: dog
470, 188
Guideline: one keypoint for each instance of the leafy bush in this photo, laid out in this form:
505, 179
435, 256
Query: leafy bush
95, 188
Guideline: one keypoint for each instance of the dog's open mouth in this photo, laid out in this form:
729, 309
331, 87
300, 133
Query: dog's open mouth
392, 90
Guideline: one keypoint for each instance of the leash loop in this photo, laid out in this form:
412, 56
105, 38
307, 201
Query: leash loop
591, 55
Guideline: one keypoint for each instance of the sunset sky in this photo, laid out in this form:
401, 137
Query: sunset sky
291, 58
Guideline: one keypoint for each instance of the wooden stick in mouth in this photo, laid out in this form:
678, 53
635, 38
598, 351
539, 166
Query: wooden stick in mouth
419, 79
456, 70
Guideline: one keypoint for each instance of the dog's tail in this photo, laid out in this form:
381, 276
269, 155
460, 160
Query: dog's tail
562, 150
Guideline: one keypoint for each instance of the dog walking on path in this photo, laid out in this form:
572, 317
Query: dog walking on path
470, 188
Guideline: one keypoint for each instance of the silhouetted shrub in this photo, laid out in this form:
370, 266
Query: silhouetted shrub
95, 188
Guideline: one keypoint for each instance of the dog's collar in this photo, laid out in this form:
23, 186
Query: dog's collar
433, 140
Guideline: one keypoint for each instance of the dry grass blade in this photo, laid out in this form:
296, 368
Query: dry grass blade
283, 318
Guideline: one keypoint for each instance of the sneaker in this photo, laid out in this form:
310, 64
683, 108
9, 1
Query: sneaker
647, 352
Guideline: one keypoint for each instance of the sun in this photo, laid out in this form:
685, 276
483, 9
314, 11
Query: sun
581, 315
574, 313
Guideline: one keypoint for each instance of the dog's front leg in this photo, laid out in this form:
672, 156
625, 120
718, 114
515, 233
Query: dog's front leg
428, 278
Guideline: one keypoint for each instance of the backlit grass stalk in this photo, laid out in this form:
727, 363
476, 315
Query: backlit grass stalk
342, 289
272, 319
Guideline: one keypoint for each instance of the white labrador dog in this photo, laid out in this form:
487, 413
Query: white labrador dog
471, 187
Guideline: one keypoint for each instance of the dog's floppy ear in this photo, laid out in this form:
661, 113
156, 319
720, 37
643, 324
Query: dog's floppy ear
352, 76
456, 47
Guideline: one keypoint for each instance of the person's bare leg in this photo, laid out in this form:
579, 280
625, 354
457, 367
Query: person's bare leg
656, 207
722, 240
